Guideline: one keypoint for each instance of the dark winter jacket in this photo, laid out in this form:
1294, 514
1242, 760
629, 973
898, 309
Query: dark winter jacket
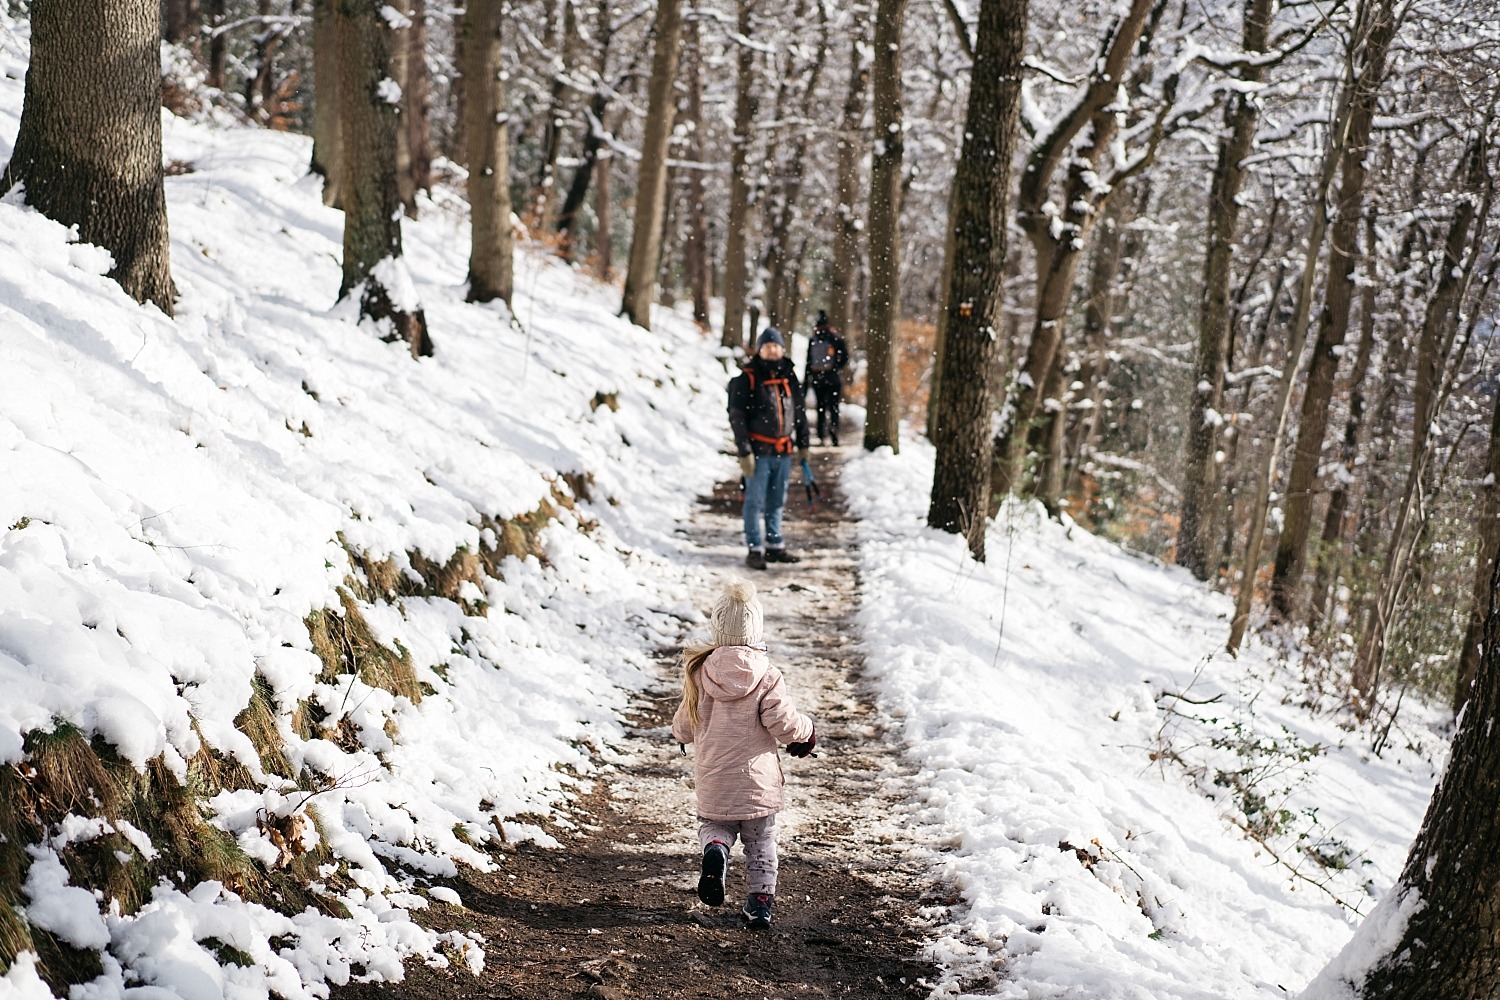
765, 408
824, 339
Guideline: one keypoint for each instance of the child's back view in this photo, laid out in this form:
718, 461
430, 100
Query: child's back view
735, 711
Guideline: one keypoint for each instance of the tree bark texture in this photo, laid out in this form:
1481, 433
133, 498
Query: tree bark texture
218, 43
1333, 320
746, 109
1201, 474
651, 181
490, 255
88, 149
883, 419
372, 199
327, 154
1449, 948
976, 290
848, 223
1489, 542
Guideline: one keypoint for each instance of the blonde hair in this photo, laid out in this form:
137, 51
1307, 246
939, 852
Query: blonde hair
692, 661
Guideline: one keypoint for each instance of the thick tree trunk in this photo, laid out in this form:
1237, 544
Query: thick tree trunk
975, 296
651, 181
372, 202
459, 149
883, 411
490, 264
1201, 474
1333, 321
746, 108
847, 223
1438, 929
401, 70
89, 145
327, 152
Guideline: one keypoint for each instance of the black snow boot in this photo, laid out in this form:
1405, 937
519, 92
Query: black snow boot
781, 556
711, 877
757, 910
755, 559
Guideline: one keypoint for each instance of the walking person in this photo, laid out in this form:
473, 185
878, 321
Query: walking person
769, 422
827, 354
736, 710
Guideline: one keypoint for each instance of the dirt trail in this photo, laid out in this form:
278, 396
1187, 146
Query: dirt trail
614, 913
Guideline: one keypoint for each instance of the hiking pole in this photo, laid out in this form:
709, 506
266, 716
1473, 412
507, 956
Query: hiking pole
810, 485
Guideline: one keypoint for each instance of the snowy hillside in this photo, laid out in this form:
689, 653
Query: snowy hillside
258, 553
1132, 813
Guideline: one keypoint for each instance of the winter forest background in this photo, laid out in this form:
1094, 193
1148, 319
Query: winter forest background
1211, 280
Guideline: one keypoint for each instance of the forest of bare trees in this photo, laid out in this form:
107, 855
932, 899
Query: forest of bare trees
1214, 278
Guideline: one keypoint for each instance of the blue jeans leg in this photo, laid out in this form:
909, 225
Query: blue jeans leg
765, 495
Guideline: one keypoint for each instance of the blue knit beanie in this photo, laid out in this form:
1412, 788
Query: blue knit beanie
770, 335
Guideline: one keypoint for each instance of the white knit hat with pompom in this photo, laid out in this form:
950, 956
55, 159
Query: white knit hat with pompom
737, 618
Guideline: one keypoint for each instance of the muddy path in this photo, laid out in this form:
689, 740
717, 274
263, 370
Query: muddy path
614, 912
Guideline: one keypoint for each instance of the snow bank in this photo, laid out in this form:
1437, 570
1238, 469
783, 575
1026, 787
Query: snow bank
1095, 815
178, 496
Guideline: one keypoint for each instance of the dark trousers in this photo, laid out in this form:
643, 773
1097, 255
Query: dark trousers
828, 392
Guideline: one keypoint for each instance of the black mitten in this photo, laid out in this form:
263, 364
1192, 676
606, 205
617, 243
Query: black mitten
804, 749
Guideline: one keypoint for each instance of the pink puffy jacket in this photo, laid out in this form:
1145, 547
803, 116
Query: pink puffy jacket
744, 711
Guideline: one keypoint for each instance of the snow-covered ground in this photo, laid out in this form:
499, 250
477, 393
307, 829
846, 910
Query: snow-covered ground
177, 495
1091, 754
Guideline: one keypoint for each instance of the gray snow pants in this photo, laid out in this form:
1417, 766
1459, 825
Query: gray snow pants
759, 836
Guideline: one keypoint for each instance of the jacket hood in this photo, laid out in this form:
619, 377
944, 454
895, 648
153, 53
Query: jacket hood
731, 672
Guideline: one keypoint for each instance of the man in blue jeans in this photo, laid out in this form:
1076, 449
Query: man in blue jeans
769, 424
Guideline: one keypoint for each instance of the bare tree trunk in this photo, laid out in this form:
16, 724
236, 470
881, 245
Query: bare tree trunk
417, 105
594, 139
1444, 903
651, 183
490, 265
327, 152
975, 296
544, 195
88, 149
1059, 247
604, 239
1379, 27
218, 43
883, 410
848, 224
401, 70
372, 202
261, 86
746, 108
1434, 349
184, 25
697, 261
459, 153
1336, 517
1489, 542
1241, 119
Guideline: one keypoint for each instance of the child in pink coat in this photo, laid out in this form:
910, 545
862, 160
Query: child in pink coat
735, 711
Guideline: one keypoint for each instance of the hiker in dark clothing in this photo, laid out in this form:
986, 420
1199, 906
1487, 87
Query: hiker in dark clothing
827, 355
769, 422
